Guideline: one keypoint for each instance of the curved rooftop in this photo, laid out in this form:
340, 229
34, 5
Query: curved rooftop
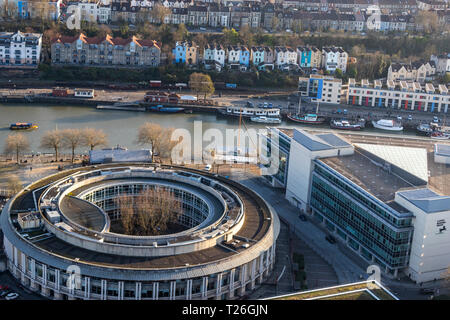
247, 227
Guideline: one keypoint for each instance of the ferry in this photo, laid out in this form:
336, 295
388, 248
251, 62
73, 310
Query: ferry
306, 119
23, 126
251, 112
263, 119
161, 108
346, 125
389, 125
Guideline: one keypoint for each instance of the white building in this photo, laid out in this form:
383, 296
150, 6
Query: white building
334, 58
285, 56
322, 89
88, 11
20, 49
430, 252
442, 153
305, 148
399, 95
84, 93
104, 14
442, 63
214, 56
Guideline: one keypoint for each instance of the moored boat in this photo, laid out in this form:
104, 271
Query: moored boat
23, 126
161, 108
425, 129
306, 119
345, 125
438, 135
389, 125
263, 119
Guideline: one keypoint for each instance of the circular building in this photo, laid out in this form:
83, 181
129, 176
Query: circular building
61, 236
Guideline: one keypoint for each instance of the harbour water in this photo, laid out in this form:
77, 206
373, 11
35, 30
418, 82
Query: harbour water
121, 127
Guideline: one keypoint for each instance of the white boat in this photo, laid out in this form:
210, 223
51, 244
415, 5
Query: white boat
390, 125
250, 112
263, 119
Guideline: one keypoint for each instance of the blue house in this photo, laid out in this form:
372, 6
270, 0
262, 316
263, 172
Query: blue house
185, 52
244, 58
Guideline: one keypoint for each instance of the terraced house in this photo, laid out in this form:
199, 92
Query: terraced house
105, 51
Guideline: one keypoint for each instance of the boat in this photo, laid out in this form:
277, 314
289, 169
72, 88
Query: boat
426, 129
161, 108
310, 118
438, 135
387, 124
250, 112
23, 126
127, 106
263, 119
307, 119
346, 125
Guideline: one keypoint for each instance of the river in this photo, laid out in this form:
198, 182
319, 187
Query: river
120, 126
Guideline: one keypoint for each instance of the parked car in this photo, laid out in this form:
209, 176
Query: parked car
208, 167
399, 118
409, 117
4, 293
435, 119
12, 296
330, 239
302, 217
426, 291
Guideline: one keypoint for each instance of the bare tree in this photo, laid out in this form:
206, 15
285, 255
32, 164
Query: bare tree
93, 137
71, 139
159, 13
201, 84
150, 212
52, 140
16, 143
14, 184
157, 137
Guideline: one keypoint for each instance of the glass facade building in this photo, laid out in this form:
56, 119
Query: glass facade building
377, 231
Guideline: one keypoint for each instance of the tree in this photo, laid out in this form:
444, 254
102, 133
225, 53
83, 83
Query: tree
52, 140
14, 184
150, 212
159, 13
157, 137
274, 23
181, 33
71, 139
92, 138
201, 84
338, 73
16, 143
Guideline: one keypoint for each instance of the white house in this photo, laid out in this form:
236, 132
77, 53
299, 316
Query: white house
20, 49
334, 58
285, 56
442, 63
214, 56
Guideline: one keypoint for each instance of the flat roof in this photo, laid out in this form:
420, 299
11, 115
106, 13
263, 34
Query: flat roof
412, 160
317, 142
442, 150
363, 172
366, 290
427, 200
